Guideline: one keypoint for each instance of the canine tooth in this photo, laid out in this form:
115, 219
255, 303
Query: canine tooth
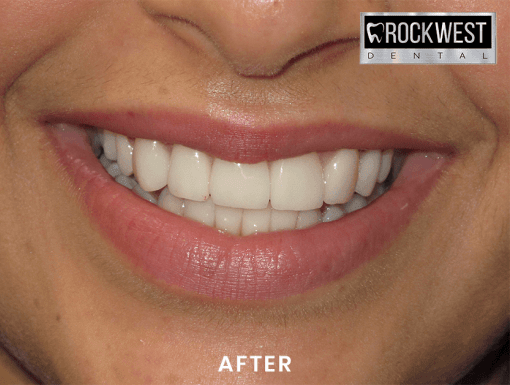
189, 173
109, 146
125, 181
145, 194
200, 211
113, 169
229, 219
283, 220
124, 154
105, 162
171, 203
385, 165
151, 162
369, 165
340, 175
256, 221
357, 202
296, 183
240, 185
332, 213
308, 218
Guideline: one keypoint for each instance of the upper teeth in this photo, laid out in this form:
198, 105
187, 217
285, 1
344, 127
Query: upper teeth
292, 185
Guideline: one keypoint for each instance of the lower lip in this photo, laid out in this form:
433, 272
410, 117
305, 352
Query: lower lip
185, 254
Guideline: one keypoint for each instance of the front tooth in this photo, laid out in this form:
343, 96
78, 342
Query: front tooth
332, 213
256, 221
283, 220
357, 202
296, 183
200, 211
308, 218
229, 219
240, 185
109, 145
369, 165
171, 203
385, 165
124, 155
151, 162
189, 173
340, 175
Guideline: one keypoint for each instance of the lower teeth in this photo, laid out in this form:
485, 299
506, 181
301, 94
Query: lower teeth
243, 221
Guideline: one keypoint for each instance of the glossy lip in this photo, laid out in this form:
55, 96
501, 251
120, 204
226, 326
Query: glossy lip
183, 253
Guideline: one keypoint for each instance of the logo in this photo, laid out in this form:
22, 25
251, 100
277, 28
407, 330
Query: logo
373, 36
427, 38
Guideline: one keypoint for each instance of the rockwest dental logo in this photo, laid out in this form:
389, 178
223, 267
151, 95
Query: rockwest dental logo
428, 38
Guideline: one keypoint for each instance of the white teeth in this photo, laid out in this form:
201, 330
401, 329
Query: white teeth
244, 199
283, 220
113, 169
189, 174
369, 164
296, 183
308, 219
200, 211
151, 163
229, 219
145, 194
125, 181
256, 221
171, 203
124, 154
356, 203
340, 175
384, 171
332, 213
240, 185
109, 145
105, 162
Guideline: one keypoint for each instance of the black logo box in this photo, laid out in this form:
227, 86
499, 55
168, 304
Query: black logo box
425, 21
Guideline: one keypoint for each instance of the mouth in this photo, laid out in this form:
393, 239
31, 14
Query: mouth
241, 213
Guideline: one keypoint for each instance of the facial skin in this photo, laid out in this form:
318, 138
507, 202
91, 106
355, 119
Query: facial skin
424, 311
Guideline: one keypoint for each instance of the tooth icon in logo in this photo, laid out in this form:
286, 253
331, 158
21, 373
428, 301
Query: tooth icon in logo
373, 36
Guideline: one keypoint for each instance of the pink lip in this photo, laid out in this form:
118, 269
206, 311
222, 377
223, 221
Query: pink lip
183, 253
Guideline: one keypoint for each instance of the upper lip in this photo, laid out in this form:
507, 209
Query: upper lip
238, 142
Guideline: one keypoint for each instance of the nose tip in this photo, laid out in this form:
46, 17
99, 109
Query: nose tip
259, 37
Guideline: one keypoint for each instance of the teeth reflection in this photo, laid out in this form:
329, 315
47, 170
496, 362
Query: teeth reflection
229, 219
203, 212
171, 203
124, 154
332, 213
256, 221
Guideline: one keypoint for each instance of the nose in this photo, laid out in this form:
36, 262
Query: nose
258, 37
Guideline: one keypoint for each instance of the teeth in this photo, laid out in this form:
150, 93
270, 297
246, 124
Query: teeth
332, 213
256, 221
151, 164
368, 171
384, 171
171, 203
109, 145
244, 199
189, 174
340, 176
240, 185
308, 219
356, 203
283, 220
124, 154
296, 183
200, 211
229, 219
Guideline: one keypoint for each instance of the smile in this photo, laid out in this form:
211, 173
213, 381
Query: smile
287, 224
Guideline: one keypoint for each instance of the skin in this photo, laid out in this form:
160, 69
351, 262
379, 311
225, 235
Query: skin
424, 311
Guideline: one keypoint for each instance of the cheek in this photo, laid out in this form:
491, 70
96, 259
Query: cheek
31, 28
